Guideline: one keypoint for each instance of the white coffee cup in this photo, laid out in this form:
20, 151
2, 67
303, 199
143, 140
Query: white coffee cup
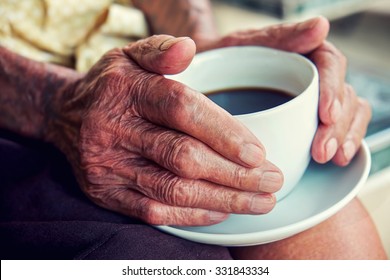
287, 130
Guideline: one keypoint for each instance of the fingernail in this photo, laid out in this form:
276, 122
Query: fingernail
169, 42
308, 24
335, 111
251, 154
349, 150
262, 203
271, 181
216, 217
331, 148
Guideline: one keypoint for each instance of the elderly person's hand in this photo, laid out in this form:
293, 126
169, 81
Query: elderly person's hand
152, 148
343, 115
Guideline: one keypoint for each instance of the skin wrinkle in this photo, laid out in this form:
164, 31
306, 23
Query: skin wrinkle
36, 112
114, 93
99, 175
108, 194
165, 184
113, 164
158, 60
163, 181
165, 143
129, 127
182, 105
134, 107
90, 92
173, 190
282, 36
170, 156
198, 111
176, 107
157, 180
176, 157
331, 60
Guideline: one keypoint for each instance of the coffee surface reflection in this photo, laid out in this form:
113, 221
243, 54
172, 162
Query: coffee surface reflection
238, 101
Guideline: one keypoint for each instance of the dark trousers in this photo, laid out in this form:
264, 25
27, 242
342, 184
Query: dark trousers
44, 214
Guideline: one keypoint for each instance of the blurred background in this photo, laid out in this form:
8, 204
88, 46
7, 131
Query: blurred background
361, 30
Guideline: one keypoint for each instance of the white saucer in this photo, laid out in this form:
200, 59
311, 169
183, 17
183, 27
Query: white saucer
323, 190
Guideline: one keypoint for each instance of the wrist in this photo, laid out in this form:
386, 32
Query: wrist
29, 93
63, 110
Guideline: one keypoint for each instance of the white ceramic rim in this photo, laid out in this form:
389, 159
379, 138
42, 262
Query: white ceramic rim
248, 239
242, 50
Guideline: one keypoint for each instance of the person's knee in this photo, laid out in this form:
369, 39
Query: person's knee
145, 242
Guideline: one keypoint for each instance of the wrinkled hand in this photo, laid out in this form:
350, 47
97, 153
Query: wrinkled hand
343, 115
154, 149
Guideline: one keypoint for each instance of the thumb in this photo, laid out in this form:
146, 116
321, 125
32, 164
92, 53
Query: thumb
162, 54
302, 37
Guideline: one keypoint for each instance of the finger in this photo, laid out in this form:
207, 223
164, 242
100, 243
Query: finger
180, 108
135, 204
167, 188
152, 181
329, 137
301, 37
355, 135
331, 64
173, 105
162, 54
191, 159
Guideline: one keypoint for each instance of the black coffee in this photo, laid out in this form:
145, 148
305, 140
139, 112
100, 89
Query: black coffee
239, 101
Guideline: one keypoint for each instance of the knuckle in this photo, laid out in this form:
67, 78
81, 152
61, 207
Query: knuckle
143, 208
349, 90
152, 214
175, 104
350, 96
168, 190
98, 193
227, 41
110, 63
181, 155
94, 174
142, 83
111, 76
240, 204
238, 177
232, 39
273, 33
333, 52
354, 137
365, 106
341, 58
148, 210
231, 202
235, 205
178, 102
174, 190
245, 203
167, 216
